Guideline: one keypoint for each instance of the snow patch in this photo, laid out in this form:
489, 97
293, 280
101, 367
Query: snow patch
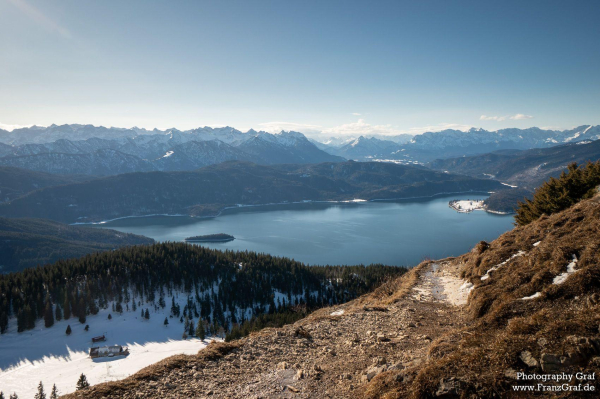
574, 136
535, 244
466, 206
536, 295
168, 154
337, 312
561, 278
498, 266
441, 285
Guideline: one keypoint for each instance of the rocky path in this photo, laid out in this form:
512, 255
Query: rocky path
337, 352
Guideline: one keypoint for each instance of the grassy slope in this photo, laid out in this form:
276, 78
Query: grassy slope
483, 357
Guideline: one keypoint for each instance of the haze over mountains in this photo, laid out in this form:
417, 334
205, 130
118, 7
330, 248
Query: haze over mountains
85, 149
429, 146
101, 151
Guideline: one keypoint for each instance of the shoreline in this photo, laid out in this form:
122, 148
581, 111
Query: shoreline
240, 206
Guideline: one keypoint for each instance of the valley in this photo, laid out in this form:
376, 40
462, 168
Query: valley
341, 199
471, 324
388, 232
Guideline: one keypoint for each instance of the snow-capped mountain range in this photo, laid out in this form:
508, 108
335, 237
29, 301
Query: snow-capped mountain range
97, 150
452, 143
116, 151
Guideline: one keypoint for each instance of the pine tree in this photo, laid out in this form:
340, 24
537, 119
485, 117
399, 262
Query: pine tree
191, 328
68, 332
40, 392
109, 316
166, 322
3, 322
147, 314
58, 313
142, 313
555, 195
54, 394
14, 396
1, 395
87, 327
133, 306
82, 383
48, 313
200, 332
67, 308
82, 311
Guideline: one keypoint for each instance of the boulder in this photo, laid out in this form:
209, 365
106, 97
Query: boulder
282, 366
550, 362
527, 358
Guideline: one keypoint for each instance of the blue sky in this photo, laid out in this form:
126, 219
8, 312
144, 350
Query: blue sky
338, 67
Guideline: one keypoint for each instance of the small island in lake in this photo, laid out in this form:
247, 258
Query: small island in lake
211, 238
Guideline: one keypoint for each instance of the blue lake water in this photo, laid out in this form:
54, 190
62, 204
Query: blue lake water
393, 233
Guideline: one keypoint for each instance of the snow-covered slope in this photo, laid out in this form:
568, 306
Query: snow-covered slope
453, 143
50, 356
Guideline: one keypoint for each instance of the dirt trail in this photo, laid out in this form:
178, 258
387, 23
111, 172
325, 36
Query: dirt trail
338, 352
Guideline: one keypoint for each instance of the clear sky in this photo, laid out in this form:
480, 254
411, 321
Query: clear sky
339, 67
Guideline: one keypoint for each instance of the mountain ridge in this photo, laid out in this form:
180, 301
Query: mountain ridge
205, 191
170, 151
32, 242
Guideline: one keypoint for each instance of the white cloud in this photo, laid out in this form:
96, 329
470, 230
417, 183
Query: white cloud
276, 127
437, 128
10, 128
519, 117
355, 114
491, 118
516, 117
361, 127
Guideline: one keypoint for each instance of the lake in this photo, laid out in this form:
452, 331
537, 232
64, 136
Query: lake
393, 233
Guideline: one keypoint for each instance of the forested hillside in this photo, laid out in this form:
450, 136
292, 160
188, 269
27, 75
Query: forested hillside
207, 190
526, 169
15, 182
224, 288
32, 242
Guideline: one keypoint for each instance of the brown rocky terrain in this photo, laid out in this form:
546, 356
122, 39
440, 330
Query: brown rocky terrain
461, 327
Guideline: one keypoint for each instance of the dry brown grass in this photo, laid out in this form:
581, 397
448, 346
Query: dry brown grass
391, 291
502, 324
